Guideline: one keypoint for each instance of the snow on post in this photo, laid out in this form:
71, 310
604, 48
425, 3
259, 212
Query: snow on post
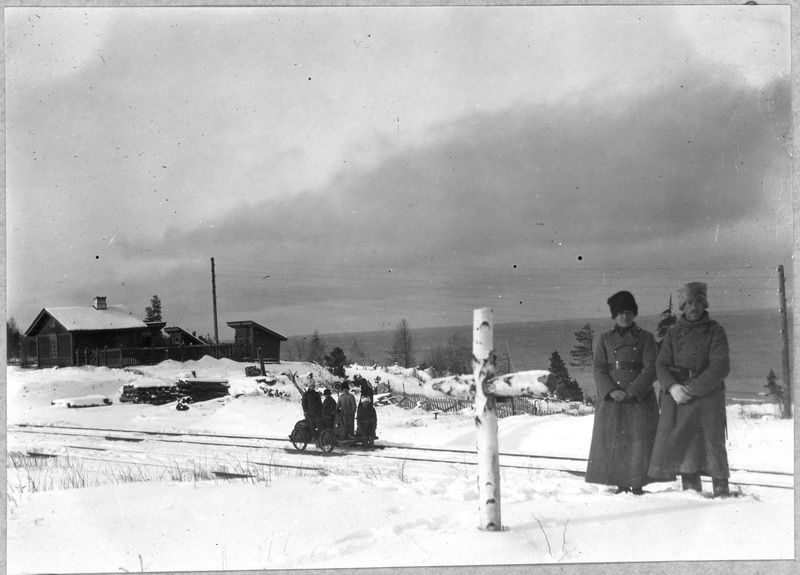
486, 420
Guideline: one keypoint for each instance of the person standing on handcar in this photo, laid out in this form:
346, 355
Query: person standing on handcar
312, 409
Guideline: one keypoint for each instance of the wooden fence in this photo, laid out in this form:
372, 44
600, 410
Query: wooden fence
131, 356
506, 406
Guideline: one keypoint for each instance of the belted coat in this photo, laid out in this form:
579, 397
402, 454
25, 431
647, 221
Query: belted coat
623, 433
691, 436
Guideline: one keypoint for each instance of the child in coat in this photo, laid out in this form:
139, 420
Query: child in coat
367, 421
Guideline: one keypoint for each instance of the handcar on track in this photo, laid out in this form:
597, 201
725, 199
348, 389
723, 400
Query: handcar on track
302, 435
329, 435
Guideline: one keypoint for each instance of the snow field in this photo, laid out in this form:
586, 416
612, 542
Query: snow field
343, 511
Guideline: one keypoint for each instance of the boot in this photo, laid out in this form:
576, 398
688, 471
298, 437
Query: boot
691, 481
720, 485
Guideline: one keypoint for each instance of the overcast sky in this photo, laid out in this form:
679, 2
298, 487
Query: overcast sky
388, 163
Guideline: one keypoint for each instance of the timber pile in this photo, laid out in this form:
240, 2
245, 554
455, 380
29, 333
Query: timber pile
202, 389
153, 394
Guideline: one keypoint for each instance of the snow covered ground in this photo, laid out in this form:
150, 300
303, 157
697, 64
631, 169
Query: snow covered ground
120, 506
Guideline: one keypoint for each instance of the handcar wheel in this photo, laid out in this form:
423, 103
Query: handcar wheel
326, 440
298, 439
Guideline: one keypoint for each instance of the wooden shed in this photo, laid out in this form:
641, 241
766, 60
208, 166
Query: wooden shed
60, 332
251, 336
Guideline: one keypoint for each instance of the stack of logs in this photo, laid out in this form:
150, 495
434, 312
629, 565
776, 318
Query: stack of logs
153, 394
202, 389
194, 388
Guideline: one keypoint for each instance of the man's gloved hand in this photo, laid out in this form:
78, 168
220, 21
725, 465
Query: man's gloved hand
618, 395
680, 393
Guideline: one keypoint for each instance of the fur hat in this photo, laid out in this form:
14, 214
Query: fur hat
692, 290
622, 301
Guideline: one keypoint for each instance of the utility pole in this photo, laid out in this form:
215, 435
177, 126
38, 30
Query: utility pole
787, 377
214, 298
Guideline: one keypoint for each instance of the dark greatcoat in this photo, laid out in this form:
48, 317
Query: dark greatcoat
366, 390
328, 410
312, 408
691, 437
367, 419
623, 433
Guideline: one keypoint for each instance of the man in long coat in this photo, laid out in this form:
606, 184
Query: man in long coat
328, 409
626, 411
691, 367
312, 407
347, 409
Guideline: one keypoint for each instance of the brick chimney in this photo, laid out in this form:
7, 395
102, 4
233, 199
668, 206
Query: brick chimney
100, 303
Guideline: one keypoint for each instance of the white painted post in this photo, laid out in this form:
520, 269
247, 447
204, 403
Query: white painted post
483, 361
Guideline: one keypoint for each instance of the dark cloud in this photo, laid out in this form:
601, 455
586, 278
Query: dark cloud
648, 159
663, 166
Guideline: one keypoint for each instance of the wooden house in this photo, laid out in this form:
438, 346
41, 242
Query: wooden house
251, 336
179, 336
60, 332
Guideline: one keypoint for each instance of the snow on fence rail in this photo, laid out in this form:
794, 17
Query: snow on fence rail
505, 406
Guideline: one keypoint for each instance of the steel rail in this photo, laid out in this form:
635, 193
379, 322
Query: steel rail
172, 437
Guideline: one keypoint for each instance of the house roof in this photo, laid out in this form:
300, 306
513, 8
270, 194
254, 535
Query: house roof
82, 318
189, 336
248, 323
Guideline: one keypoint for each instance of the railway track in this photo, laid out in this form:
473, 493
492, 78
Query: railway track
150, 448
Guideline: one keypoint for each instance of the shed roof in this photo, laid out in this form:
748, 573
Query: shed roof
82, 318
248, 323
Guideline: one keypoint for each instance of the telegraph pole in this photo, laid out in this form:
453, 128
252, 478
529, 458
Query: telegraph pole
214, 298
787, 377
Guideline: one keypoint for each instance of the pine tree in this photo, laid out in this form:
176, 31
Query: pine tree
668, 319
335, 361
583, 352
774, 390
565, 388
402, 351
153, 313
559, 372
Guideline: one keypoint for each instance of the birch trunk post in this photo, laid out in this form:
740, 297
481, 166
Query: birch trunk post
483, 388
486, 420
